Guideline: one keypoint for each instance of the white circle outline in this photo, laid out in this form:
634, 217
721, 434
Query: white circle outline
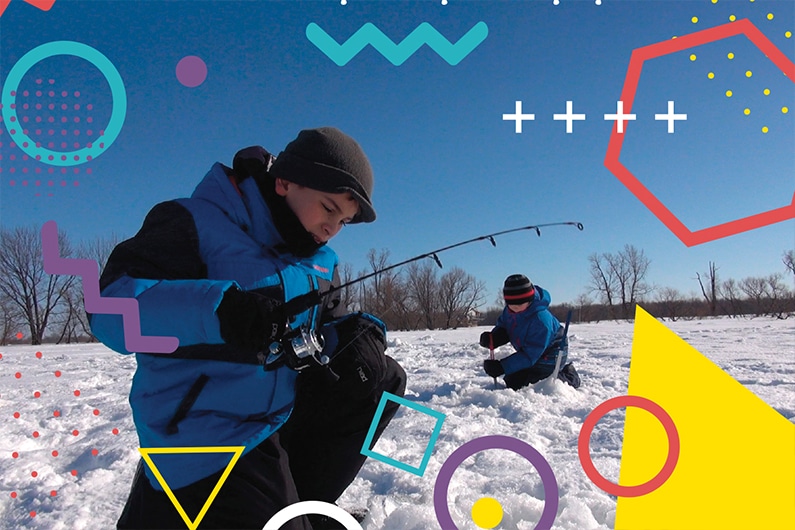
312, 507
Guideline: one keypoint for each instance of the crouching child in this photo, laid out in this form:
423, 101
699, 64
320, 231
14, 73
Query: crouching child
537, 336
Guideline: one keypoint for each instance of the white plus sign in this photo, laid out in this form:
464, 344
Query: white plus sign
569, 116
619, 116
670, 117
519, 117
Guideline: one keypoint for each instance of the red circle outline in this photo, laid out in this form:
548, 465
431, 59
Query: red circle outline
583, 446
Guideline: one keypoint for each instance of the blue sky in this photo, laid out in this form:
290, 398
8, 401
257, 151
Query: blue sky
447, 166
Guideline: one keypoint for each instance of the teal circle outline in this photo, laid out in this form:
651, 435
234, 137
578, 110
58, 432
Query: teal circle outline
84, 51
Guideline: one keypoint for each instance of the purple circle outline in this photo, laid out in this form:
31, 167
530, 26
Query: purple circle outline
519, 447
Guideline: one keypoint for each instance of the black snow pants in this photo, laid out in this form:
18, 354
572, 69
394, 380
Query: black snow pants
314, 456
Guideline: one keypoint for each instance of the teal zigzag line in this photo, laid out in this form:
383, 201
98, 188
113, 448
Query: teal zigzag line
397, 53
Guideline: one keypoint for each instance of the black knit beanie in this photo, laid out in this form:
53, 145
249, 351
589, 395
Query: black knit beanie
326, 159
518, 289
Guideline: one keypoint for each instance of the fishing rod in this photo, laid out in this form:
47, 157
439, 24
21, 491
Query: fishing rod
303, 347
434, 253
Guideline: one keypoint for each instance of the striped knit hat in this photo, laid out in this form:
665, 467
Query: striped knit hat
518, 289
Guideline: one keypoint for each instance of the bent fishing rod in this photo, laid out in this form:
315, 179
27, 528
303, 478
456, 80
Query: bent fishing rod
434, 253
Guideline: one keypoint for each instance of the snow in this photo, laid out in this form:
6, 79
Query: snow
444, 369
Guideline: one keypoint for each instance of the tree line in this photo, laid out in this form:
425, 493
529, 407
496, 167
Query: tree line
416, 296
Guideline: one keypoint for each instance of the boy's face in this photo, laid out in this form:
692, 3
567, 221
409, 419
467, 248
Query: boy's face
518, 308
322, 214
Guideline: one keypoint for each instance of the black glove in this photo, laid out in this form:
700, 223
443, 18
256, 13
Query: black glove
356, 346
486, 339
250, 319
493, 367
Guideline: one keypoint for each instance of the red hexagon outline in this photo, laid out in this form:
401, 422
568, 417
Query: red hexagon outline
44, 5
639, 55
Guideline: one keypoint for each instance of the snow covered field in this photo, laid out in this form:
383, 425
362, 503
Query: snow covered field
68, 446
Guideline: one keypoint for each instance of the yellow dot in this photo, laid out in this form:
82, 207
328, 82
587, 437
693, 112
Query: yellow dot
711, 75
694, 20
714, 1
770, 16
766, 91
730, 55
765, 129
732, 18
487, 512
788, 34
747, 112
784, 110
692, 56
748, 73
728, 93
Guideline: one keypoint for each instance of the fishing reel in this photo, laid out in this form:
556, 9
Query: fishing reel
298, 349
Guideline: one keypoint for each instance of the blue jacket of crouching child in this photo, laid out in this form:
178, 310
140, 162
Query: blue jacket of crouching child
178, 266
531, 333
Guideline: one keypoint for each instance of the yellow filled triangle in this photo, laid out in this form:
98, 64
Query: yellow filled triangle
736, 467
236, 452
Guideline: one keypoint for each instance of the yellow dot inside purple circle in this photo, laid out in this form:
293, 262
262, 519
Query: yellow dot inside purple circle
487, 512
191, 71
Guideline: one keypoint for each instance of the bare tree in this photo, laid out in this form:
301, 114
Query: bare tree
423, 289
632, 266
671, 302
620, 277
756, 289
31, 291
710, 291
603, 279
731, 296
9, 319
459, 294
789, 260
584, 304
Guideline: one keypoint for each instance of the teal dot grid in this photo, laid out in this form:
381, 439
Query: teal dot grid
419, 470
50, 49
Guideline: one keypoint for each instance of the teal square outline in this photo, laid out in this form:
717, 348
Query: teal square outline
420, 470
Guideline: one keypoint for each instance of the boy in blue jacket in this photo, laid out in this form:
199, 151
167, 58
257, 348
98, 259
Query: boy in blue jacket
533, 331
232, 270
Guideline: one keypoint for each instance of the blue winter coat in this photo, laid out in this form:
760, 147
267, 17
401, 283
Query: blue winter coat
186, 255
530, 332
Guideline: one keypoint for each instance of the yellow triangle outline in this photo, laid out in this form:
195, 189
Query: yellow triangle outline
236, 452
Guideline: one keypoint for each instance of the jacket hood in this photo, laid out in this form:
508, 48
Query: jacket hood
244, 204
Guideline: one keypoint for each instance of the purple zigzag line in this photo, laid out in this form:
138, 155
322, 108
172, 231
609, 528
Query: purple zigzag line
89, 271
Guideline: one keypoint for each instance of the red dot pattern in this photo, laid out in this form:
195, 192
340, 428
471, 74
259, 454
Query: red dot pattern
57, 414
